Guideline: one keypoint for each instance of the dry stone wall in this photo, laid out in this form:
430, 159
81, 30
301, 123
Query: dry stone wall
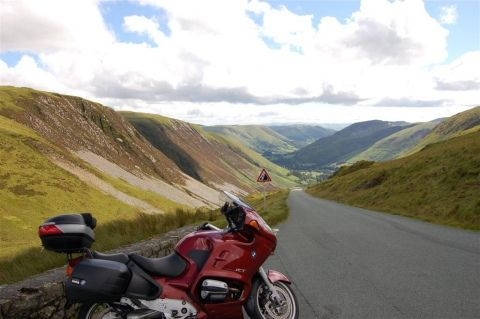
43, 296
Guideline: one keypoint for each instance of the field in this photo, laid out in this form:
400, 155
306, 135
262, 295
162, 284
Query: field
439, 184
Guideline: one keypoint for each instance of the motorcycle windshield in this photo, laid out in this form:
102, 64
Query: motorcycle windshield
231, 198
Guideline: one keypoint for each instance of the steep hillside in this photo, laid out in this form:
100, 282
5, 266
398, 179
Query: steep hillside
301, 135
205, 155
99, 138
340, 146
461, 123
440, 183
33, 188
392, 146
62, 154
260, 138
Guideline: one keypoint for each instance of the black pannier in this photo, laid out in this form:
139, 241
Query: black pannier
70, 233
97, 280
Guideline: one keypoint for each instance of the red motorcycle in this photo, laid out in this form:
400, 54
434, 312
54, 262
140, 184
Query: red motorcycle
212, 273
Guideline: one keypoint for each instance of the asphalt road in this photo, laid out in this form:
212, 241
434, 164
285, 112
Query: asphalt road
348, 262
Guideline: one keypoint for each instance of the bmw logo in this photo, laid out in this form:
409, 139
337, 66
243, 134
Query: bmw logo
254, 254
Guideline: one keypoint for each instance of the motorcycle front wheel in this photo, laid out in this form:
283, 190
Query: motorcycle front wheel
97, 311
262, 307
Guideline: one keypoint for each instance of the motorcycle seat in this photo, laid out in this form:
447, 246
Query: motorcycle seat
169, 266
121, 257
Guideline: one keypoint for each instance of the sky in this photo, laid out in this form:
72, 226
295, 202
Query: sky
250, 61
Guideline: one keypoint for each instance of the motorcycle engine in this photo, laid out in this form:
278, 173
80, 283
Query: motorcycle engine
169, 308
215, 291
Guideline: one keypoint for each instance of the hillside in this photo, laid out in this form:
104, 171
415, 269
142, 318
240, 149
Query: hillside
205, 155
340, 146
301, 135
393, 145
461, 123
32, 188
62, 153
262, 139
440, 183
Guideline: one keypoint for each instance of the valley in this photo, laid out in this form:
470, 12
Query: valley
66, 154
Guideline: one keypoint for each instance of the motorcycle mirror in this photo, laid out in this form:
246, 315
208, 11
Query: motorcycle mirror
224, 208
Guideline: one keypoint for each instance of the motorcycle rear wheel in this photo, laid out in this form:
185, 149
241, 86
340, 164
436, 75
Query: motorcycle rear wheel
97, 311
261, 307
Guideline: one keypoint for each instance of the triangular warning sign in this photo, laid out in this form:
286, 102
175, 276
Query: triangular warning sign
264, 177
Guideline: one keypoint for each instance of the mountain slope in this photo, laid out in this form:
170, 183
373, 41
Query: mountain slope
393, 145
205, 155
63, 153
340, 146
456, 125
100, 139
33, 188
260, 138
301, 135
440, 183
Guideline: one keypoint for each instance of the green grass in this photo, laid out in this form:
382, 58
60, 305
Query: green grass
150, 197
11, 95
455, 125
440, 184
394, 145
276, 206
260, 138
142, 116
113, 234
281, 175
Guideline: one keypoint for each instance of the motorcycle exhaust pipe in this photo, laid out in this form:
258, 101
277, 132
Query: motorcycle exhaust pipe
145, 313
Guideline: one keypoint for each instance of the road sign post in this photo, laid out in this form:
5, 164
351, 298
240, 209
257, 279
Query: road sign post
264, 178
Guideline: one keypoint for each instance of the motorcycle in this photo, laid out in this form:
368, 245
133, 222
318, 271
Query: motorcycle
213, 273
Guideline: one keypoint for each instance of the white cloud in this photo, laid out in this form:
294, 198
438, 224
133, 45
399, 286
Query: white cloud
448, 14
387, 53
50, 25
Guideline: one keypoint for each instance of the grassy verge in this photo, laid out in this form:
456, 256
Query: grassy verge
276, 206
121, 232
440, 184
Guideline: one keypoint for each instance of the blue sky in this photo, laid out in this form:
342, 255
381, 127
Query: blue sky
217, 59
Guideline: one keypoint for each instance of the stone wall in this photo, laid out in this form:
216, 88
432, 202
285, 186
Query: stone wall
43, 296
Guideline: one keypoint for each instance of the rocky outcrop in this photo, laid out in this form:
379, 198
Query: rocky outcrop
43, 296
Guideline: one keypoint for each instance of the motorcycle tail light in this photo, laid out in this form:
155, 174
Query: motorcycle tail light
254, 224
47, 230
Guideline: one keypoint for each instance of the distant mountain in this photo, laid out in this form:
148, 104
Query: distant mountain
461, 123
393, 145
272, 139
439, 184
301, 134
341, 146
260, 138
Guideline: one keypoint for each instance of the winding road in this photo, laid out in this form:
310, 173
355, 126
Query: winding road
348, 262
